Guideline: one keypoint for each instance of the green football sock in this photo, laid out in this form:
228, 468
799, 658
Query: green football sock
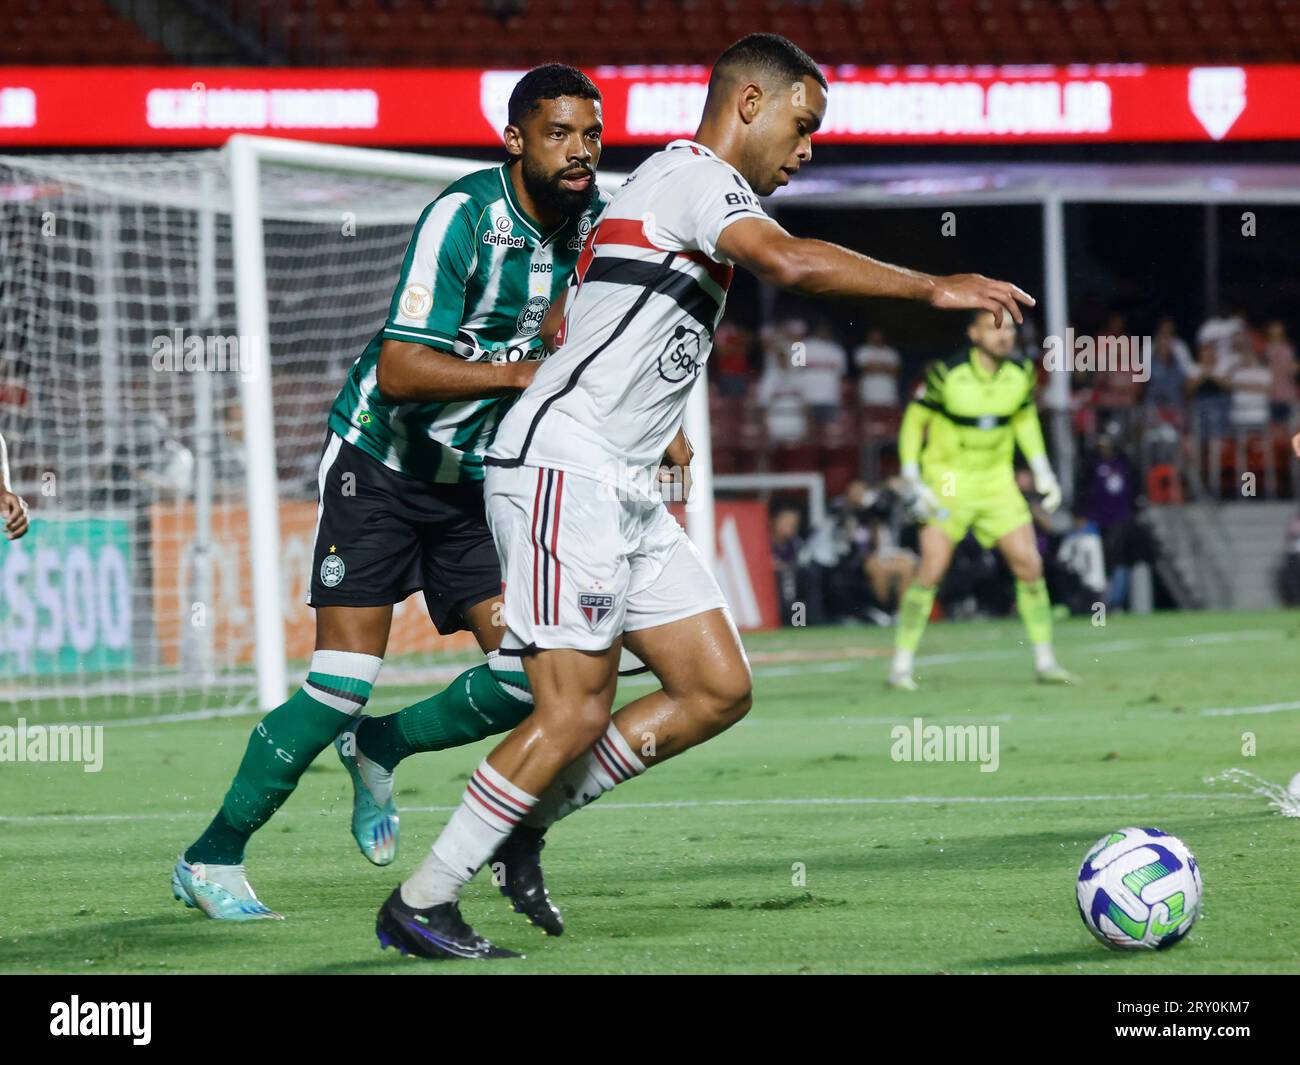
221, 843
482, 701
913, 613
284, 743
1035, 610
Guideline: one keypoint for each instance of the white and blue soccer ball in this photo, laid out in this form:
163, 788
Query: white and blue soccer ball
1139, 889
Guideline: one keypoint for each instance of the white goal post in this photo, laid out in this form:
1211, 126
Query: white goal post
247, 156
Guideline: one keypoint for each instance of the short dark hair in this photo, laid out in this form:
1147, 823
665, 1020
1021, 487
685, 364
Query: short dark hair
769, 53
548, 82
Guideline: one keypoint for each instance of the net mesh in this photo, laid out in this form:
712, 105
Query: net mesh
120, 402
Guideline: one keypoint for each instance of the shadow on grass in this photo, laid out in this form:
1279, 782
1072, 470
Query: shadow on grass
179, 939
1039, 961
398, 966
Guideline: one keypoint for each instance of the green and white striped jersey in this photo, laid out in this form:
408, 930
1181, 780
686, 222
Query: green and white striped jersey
478, 278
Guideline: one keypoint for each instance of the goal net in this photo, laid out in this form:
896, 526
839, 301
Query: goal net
131, 401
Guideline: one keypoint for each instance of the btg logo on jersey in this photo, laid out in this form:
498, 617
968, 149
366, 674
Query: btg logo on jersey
529, 322
680, 358
502, 235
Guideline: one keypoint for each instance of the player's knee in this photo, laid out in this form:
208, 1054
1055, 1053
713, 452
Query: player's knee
740, 705
591, 722
1028, 567
931, 570
729, 697
577, 726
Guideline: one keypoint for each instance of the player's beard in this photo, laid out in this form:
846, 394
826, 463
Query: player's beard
549, 194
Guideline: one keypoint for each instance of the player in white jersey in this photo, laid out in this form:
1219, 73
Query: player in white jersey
593, 562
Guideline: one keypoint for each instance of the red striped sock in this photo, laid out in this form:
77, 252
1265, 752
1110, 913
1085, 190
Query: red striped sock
488, 812
609, 763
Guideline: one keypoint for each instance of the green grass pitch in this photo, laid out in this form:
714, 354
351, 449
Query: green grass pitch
792, 844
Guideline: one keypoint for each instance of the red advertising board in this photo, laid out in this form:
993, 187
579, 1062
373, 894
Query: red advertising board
189, 107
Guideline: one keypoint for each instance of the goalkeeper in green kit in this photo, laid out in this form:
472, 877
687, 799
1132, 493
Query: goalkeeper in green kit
956, 446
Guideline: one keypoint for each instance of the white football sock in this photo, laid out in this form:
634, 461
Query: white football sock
1044, 657
609, 763
488, 812
376, 778
902, 661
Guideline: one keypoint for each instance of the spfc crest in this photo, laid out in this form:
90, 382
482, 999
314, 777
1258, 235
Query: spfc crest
1217, 96
595, 606
494, 89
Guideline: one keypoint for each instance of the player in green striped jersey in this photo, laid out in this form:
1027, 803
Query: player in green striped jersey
477, 280
401, 497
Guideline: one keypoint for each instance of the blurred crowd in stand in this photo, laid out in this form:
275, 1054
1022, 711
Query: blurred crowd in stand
795, 397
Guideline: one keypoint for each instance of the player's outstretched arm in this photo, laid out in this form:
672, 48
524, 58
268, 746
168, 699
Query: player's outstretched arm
13, 508
819, 268
417, 373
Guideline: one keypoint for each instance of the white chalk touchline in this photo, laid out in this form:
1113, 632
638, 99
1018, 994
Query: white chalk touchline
784, 670
1264, 708
902, 800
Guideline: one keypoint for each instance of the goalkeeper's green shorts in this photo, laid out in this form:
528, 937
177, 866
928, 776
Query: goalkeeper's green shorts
991, 510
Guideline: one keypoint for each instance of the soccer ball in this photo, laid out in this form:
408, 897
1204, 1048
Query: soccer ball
1139, 889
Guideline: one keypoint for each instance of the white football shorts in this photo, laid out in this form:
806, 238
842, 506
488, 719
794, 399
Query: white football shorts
581, 566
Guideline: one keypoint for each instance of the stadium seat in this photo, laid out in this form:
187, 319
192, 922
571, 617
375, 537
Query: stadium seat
647, 31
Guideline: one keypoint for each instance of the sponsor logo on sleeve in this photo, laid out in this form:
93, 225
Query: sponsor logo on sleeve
416, 301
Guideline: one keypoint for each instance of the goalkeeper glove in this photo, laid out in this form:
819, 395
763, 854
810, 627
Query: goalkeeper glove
1045, 484
918, 497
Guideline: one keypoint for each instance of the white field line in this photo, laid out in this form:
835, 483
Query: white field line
854, 656
902, 800
1263, 708
441, 673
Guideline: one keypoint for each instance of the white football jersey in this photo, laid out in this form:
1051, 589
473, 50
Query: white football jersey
650, 290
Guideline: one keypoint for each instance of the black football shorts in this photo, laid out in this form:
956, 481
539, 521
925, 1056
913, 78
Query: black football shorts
380, 536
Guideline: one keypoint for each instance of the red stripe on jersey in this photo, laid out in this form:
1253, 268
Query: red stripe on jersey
631, 232
720, 272
537, 619
555, 541
584, 257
